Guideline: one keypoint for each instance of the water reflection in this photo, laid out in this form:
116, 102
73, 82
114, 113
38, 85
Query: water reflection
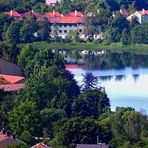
119, 77
104, 78
129, 90
108, 60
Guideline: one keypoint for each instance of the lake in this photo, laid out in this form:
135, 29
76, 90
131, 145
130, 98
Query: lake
124, 76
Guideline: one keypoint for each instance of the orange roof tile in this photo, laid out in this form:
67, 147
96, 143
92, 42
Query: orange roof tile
52, 14
143, 12
11, 79
76, 13
12, 13
71, 20
2, 136
11, 87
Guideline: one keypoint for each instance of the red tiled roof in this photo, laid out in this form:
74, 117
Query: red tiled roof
36, 14
71, 20
11, 87
143, 12
76, 13
2, 136
52, 14
54, 19
12, 13
11, 79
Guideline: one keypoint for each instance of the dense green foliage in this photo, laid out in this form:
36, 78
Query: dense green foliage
50, 94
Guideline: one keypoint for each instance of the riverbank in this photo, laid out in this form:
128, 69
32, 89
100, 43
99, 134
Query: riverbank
115, 47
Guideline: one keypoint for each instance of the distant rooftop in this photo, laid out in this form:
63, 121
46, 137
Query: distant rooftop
11, 87
101, 145
11, 79
40, 145
9, 68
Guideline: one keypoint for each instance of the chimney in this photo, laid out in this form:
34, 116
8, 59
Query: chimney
32, 11
121, 11
11, 12
8, 134
143, 11
13, 136
3, 131
53, 12
76, 13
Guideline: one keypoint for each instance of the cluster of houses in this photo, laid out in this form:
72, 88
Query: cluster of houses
72, 21
7, 139
64, 23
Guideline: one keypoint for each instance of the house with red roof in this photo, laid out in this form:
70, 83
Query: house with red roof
37, 15
141, 15
73, 21
14, 14
7, 139
52, 2
10, 83
53, 17
12, 79
10, 76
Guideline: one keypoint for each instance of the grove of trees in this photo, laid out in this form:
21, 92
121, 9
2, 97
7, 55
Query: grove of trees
54, 107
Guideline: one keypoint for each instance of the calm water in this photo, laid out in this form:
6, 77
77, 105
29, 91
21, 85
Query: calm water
125, 78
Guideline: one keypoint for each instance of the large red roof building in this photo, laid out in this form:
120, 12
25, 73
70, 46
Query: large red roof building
73, 21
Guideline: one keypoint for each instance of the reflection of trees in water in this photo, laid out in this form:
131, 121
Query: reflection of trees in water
109, 60
115, 60
104, 78
135, 76
119, 77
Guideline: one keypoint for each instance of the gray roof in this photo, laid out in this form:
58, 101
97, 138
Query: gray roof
92, 146
9, 68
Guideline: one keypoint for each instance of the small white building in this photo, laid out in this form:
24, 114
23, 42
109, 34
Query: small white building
141, 15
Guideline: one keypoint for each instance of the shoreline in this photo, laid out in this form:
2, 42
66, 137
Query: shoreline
114, 47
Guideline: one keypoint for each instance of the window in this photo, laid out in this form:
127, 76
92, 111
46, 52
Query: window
65, 31
80, 30
60, 31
